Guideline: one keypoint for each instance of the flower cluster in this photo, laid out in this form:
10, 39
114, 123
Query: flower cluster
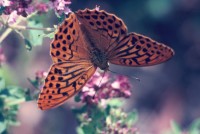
100, 87
19, 6
5, 3
26, 7
119, 122
109, 119
118, 128
61, 6
40, 77
38, 81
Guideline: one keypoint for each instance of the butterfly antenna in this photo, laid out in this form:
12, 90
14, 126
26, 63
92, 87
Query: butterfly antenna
133, 77
102, 78
99, 84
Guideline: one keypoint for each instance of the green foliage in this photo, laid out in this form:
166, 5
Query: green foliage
49, 35
132, 118
34, 35
61, 17
195, 127
36, 83
28, 45
2, 83
176, 129
115, 103
98, 119
10, 98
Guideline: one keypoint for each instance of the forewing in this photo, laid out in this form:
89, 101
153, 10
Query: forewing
104, 29
68, 43
139, 50
64, 81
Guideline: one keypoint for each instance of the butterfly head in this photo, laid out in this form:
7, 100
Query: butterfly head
104, 66
101, 63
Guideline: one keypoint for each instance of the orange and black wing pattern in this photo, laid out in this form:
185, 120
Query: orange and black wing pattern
138, 50
64, 81
72, 67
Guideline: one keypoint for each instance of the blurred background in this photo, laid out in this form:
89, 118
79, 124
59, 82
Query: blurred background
167, 91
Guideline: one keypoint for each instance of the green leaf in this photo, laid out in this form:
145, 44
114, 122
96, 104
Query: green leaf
28, 44
2, 83
61, 17
1, 117
108, 120
131, 118
16, 92
79, 130
34, 35
79, 110
35, 83
77, 98
49, 35
195, 127
175, 128
13, 123
89, 129
2, 127
115, 102
13, 101
28, 96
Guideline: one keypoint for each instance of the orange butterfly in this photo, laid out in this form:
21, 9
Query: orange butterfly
89, 39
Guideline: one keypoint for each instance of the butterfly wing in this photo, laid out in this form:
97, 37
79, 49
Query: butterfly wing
72, 66
64, 80
110, 34
68, 43
104, 29
139, 50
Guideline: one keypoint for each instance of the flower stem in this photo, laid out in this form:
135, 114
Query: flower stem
15, 102
18, 27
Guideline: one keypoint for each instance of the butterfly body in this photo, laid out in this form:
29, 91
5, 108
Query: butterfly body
89, 39
98, 56
99, 59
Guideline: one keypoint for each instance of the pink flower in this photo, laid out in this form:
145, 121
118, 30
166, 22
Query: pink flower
61, 6
41, 74
88, 91
99, 88
18, 5
2, 56
42, 8
5, 3
30, 9
97, 8
13, 17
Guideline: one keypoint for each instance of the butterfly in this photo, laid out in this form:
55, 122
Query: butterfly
90, 39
